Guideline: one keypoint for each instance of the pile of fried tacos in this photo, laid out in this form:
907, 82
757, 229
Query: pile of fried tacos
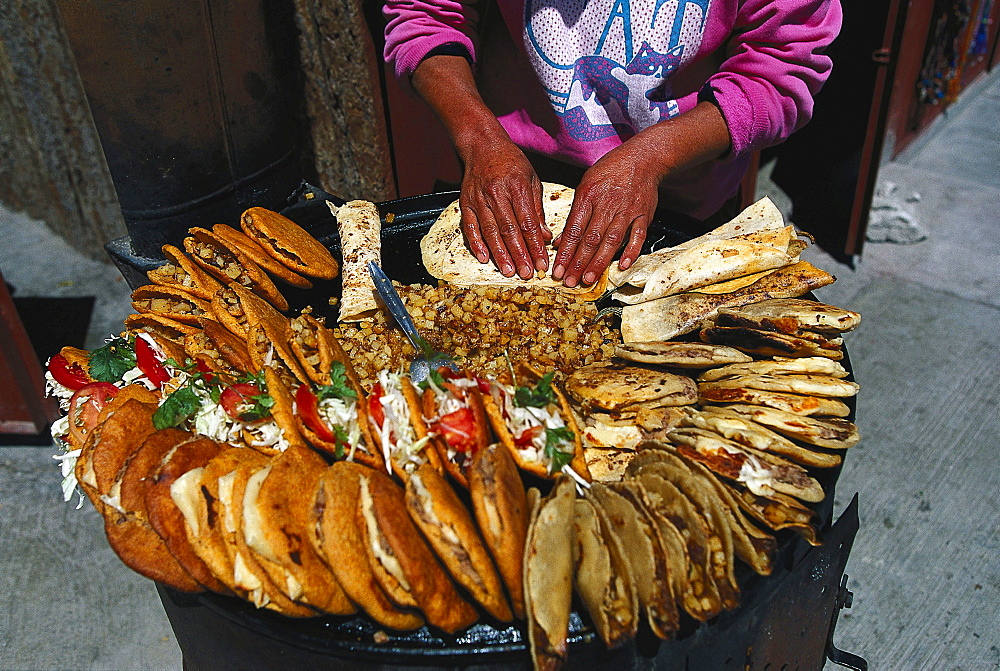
230, 446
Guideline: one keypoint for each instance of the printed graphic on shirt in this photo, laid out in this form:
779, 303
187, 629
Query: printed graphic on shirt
606, 64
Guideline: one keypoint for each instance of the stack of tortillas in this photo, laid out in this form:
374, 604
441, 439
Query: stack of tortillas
752, 258
446, 256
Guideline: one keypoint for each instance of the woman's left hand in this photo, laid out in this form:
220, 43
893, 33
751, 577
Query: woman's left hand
614, 203
618, 195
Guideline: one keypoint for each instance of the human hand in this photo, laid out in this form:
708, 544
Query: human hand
614, 202
501, 203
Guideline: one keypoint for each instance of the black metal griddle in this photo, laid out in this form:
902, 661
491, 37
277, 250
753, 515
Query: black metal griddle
784, 621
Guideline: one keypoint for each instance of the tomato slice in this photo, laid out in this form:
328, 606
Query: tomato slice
527, 437
484, 385
375, 408
307, 406
70, 375
85, 405
458, 429
234, 398
146, 361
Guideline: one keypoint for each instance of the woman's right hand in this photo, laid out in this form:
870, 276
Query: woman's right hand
501, 196
501, 203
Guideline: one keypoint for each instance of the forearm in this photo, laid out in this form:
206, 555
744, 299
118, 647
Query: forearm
682, 142
447, 85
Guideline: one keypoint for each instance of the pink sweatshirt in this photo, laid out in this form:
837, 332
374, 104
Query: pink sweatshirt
587, 75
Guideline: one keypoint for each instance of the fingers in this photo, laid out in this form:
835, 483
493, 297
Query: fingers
597, 246
504, 221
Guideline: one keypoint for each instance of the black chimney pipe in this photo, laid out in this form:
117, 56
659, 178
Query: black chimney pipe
190, 105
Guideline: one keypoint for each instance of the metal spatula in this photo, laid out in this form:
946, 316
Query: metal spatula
427, 358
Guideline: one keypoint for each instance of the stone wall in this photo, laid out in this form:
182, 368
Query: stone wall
51, 163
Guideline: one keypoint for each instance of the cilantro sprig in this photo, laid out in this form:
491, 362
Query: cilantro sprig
553, 439
538, 396
177, 408
110, 362
339, 386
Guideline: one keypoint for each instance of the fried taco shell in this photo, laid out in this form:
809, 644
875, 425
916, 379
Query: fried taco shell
229, 265
180, 272
170, 302
339, 539
501, 509
548, 575
396, 548
448, 527
602, 577
288, 243
629, 519
239, 240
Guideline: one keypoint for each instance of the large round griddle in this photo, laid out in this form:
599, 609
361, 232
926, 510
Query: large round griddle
785, 619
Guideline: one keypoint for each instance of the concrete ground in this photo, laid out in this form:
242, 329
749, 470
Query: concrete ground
924, 570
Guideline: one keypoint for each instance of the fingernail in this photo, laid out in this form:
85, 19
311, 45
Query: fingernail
507, 270
558, 271
570, 282
483, 257
541, 264
589, 278
624, 264
524, 271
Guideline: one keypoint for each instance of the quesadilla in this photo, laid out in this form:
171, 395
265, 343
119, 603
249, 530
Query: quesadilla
788, 315
616, 386
231, 266
676, 354
669, 317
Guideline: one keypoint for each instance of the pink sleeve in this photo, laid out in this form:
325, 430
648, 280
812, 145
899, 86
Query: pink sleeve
774, 66
416, 26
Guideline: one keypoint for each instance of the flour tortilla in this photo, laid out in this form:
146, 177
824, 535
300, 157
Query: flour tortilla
360, 229
671, 316
446, 256
761, 216
711, 262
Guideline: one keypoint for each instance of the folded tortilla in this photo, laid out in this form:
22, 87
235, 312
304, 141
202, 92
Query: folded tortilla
761, 216
671, 316
711, 262
360, 229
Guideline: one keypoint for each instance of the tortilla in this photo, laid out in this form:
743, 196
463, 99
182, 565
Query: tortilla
500, 506
229, 265
830, 432
182, 273
448, 527
760, 216
170, 302
602, 577
711, 262
548, 575
630, 520
446, 256
789, 315
762, 472
340, 541
815, 365
731, 425
674, 354
770, 343
239, 240
616, 386
669, 317
360, 229
396, 548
